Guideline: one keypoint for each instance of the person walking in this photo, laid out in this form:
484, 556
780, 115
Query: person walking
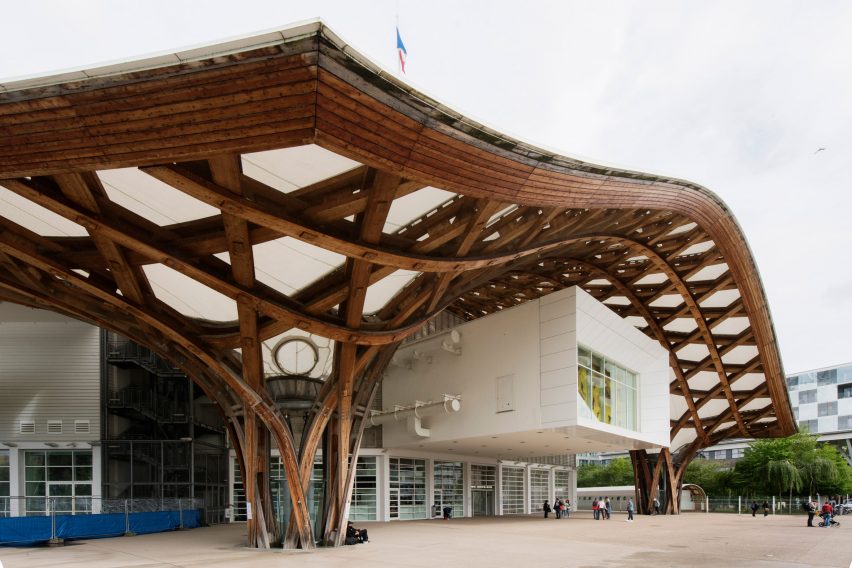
753, 508
567, 512
557, 507
656, 506
765, 508
629, 510
608, 508
546, 508
595, 508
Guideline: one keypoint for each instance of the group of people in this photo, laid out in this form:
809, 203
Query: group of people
602, 509
755, 507
826, 512
562, 508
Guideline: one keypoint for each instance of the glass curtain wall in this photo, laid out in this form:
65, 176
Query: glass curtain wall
407, 488
364, 495
512, 490
63, 476
281, 492
539, 488
5, 505
608, 390
238, 505
562, 482
449, 486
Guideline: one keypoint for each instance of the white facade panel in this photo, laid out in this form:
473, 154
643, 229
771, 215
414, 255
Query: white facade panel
517, 376
49, 373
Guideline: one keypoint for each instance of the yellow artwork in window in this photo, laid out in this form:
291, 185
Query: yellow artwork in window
583, 384
596, 401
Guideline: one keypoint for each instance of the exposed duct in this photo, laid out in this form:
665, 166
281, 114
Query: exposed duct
414, 413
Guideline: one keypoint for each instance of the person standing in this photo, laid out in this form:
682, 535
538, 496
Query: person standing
595, 508
754, 508
765, 508
608, 507
567, 512
656, 506
812, 507
557, 507
630, 510
546, 508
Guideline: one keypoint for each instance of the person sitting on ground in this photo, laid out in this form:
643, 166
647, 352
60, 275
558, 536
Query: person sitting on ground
355, 536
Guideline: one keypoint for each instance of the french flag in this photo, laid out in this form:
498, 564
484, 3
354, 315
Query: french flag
400, 48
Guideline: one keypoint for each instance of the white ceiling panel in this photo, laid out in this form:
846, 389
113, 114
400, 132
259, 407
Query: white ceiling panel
36, 218
148, 197
189, 297
290, 169
288, 264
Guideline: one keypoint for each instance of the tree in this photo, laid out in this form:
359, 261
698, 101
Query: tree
617, 472
713, 477
785, 465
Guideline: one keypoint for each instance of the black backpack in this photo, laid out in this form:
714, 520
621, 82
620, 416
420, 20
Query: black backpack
806, 507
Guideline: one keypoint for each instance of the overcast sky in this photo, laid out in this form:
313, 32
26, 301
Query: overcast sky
736, 96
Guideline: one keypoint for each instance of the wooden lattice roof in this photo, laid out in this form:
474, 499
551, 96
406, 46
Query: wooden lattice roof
514, 222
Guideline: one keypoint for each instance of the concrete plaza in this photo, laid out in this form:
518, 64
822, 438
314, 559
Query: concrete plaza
686, 540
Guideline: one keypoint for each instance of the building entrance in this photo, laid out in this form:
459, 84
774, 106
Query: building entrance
482, 489
483, 502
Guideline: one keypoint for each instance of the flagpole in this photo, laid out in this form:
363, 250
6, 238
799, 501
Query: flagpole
398, 61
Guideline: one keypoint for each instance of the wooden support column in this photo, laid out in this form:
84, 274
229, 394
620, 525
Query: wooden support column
225, 171
672, 483
642, 479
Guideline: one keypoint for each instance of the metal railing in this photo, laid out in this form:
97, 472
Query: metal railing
18, 506
118, 350
785, 505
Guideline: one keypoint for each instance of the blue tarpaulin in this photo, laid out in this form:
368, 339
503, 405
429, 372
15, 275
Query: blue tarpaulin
23, 531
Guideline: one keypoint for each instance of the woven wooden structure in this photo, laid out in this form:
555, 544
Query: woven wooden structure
521, 222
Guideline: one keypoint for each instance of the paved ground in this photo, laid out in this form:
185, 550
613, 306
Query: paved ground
714, 540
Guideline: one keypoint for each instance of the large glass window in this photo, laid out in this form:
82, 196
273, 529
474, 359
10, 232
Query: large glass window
827, 409
807, 379
512, 490
62, 477
4, 483
562, 482
844, 391
608, 390
449, 486
807, 396
539, 488
811, 426
828, 377
238, 505
407, 488
363, 506
844, 422
279, 490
